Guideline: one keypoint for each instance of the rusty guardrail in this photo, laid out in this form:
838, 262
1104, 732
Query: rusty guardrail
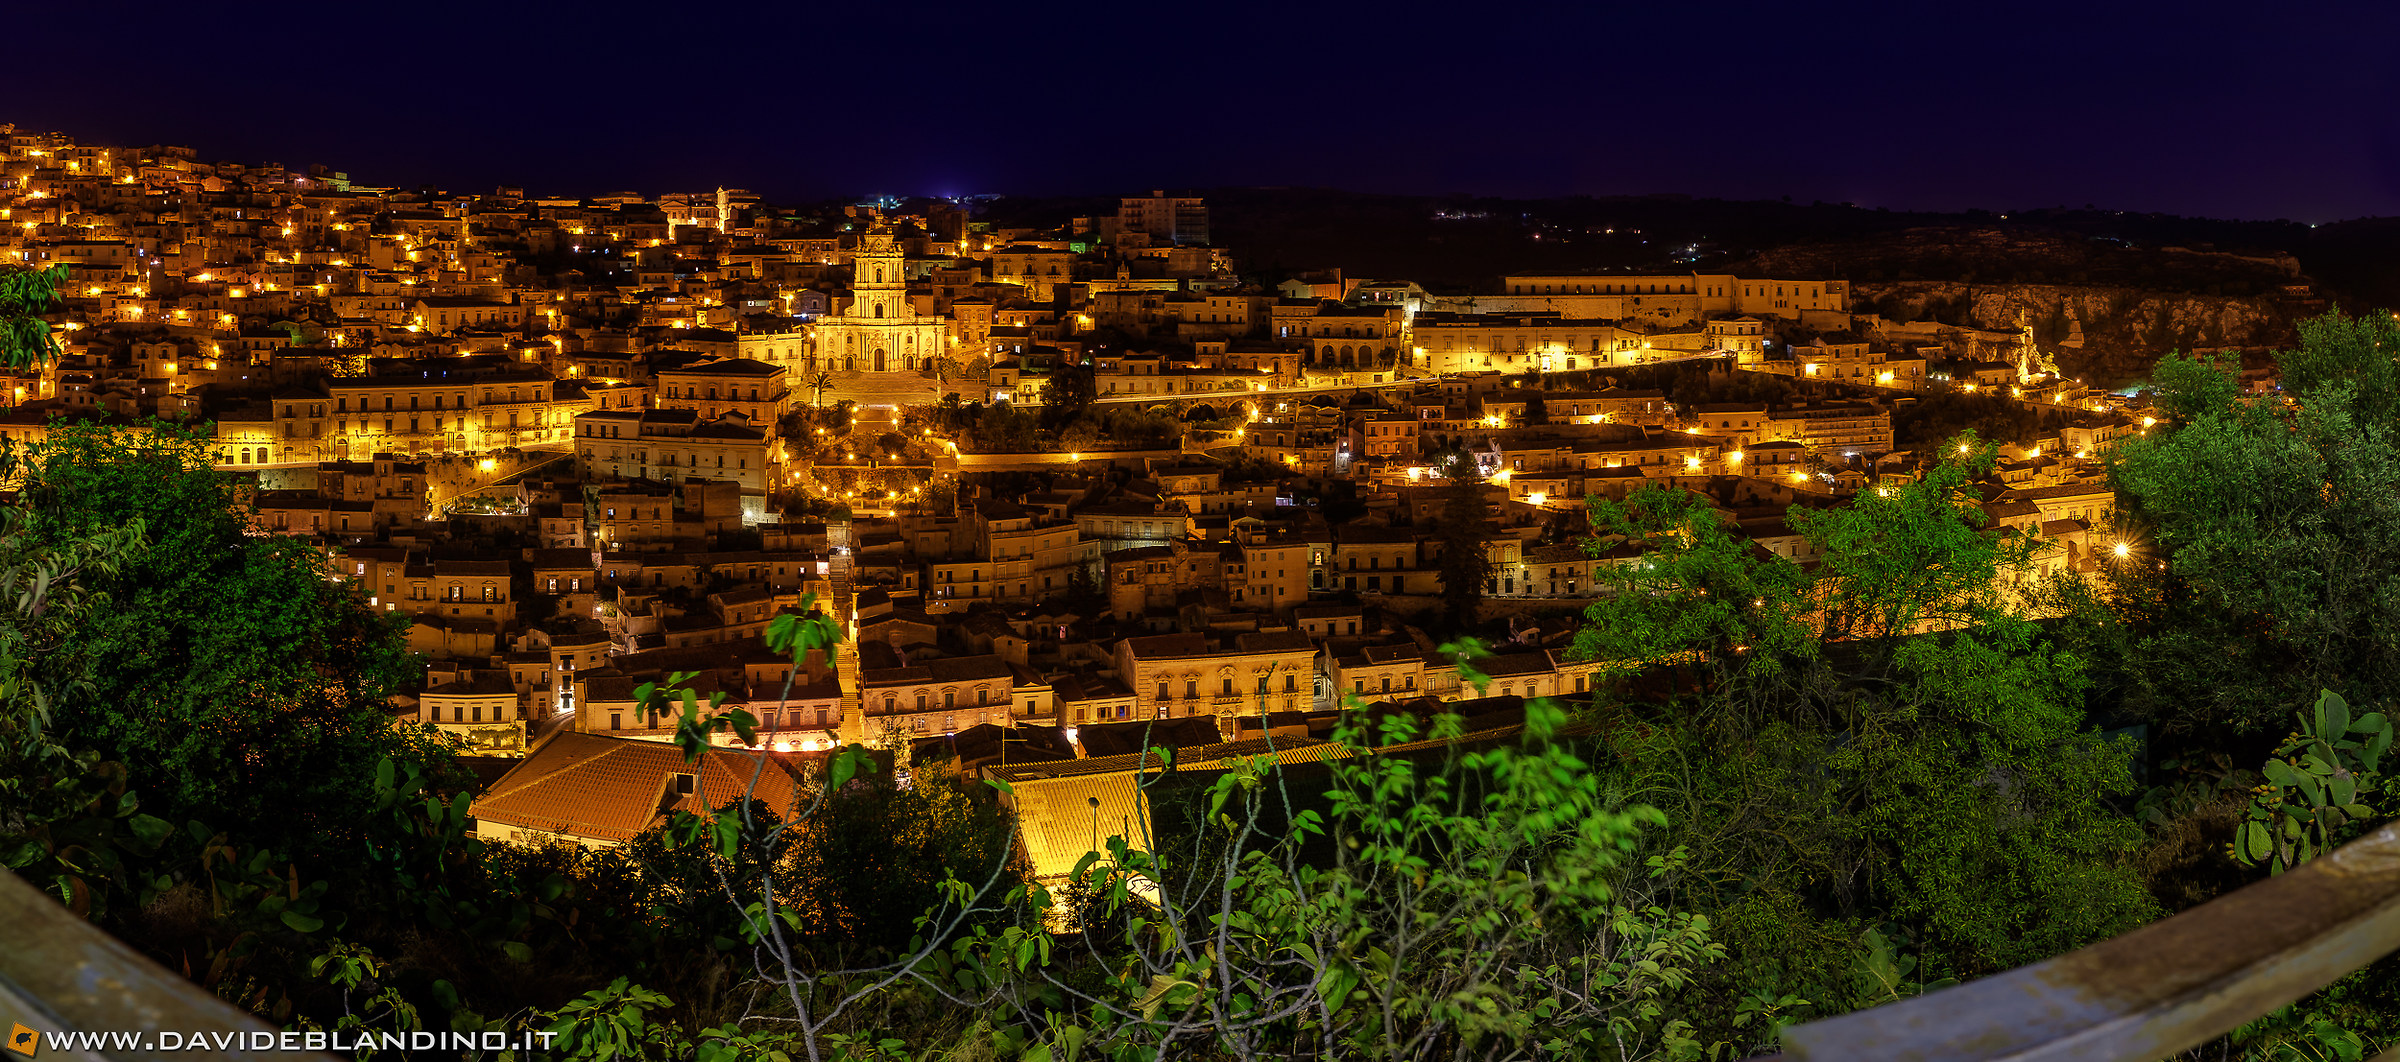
2166, 987
60, 973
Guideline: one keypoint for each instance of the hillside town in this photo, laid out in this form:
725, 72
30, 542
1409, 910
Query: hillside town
1074, 491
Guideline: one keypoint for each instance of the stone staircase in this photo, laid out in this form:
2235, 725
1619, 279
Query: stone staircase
845, 612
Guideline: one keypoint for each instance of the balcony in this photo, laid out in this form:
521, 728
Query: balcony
2151, 993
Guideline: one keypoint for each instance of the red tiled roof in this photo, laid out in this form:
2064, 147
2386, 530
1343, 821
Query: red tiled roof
610, 789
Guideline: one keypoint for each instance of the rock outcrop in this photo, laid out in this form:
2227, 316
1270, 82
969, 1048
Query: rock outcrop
2104, 335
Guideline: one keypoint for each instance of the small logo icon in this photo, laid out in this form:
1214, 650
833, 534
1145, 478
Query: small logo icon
23, 1040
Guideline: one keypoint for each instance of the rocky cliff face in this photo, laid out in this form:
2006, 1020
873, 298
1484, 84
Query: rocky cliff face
2103, 335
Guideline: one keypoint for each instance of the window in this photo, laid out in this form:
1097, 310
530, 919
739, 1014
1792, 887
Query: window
1191, 689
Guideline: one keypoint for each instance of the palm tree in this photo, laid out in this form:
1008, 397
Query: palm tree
820, 381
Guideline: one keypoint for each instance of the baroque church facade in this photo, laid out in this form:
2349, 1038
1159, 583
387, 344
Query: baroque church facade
881, 332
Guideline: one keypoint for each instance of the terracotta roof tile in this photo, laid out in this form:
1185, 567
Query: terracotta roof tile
610, 789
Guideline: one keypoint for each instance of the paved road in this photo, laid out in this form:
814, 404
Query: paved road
1004, 462
1410, 382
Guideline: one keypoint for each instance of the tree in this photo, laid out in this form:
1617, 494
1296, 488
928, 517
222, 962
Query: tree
1069, 391
876, 855
1536, 411
1003, 428
69, 822
1482, 903
216, 640
1837, 761
25, 295
1466, 563
2268, 537
1691, 593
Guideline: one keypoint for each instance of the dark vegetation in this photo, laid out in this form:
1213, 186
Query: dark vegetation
1793, 791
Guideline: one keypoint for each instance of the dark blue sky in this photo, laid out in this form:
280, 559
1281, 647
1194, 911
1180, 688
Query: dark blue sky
2259, 111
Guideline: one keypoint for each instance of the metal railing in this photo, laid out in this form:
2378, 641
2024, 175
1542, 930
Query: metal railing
62, 974
2169, 986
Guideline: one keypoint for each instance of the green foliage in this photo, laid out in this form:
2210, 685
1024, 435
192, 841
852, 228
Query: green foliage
2276, 531
615, 1022
1924, 426
1803, 791
2355, 356
1067, 392
2316, 786
1886, 738
1695, 592
1003, 428
2190, 387
1478, 901
1466, 563
1914, 557
25, 295
214, 640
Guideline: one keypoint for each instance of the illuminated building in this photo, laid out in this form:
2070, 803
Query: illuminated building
881, 331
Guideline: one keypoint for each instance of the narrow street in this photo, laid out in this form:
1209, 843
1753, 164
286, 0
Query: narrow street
845, 612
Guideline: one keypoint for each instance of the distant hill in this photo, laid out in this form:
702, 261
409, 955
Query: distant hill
1468, 242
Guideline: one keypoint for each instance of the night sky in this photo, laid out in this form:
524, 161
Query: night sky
2257, 111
